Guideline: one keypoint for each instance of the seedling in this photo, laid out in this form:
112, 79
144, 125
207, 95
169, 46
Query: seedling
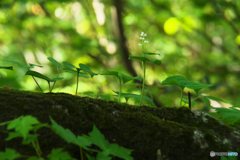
83, 67
144, 61
183, 82
34, 73
121, 77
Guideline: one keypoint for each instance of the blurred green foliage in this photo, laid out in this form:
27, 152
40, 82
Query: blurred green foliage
197, 39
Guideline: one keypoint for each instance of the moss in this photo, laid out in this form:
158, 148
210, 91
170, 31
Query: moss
178, 132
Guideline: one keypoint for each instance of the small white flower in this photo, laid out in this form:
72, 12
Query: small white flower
145, 35
142, 38
145, 41
142, 34
139, 44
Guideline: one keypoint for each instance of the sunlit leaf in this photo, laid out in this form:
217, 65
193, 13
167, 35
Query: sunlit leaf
38, 75
68, 65
75, 72
87, 69
174, 81
19, 64
56, 63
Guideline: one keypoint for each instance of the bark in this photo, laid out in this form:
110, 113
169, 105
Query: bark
178, 133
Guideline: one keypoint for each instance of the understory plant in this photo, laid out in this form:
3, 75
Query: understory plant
23, 126
144, 60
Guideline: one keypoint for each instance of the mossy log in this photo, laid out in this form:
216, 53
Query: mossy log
180, 133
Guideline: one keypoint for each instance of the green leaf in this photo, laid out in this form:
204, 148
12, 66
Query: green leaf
68, 65
9, 68
58, 154
19, 64
87, 69
9, 154
30, 138
69, 137
205, 100
75, 72
97, 138
214, 98
193, 85
174, 81
183, 82
120, 152
23, 124
30, 64
113, 73
229, 113
236, 106
35, 158
12, 135
149, 100
157, 62
185, 100
90, 157
56, 79
103, 156
56, 63
39, 75
148, 53
143, 59
129, 78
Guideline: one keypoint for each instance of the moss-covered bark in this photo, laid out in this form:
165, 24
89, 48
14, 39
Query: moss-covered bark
180, 133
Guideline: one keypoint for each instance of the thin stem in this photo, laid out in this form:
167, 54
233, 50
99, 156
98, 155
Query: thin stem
119, 96
49, 86
37, 84
36, 149
77, 80
55, 81
81, 153
181, 97
144, 71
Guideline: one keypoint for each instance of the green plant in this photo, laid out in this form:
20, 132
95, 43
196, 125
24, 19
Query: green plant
121, 77
25, 124
36, 74
183, 82
229, 116
83, 67
144, 61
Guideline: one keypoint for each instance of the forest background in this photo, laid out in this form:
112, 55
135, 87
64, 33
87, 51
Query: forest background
197, 39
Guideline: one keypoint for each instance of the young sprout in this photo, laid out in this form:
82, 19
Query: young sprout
144, 60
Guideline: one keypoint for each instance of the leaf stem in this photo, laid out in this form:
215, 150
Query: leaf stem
37, 84
77, 80
144, 71
181, 97
81, 153
119, 96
